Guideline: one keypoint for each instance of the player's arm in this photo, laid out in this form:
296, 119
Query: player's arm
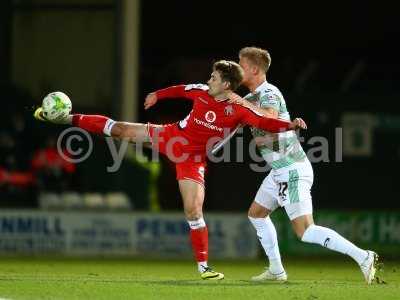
269, 112
255, 119
177, 91
266, 110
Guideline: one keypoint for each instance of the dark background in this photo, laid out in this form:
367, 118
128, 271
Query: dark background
328, 59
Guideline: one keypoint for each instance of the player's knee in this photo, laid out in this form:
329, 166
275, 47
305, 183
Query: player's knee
301, 224
300, 230
251, 213
299, 233
194, 212
256, 211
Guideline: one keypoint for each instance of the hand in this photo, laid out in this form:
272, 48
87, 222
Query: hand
235, 99
150, 100
298, 123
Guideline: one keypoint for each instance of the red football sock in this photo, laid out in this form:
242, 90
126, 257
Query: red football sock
199, 239
91, 123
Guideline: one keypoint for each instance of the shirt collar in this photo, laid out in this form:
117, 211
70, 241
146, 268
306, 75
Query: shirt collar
261, 87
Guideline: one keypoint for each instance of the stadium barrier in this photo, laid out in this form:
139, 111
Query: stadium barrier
166, 234
136, 234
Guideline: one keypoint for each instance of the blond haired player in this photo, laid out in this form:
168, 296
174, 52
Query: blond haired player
289, 183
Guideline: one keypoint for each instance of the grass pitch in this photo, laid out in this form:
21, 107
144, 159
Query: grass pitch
310, 279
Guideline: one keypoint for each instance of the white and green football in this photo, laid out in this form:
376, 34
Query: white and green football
56, 106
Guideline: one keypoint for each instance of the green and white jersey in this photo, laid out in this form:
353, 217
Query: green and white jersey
278, 149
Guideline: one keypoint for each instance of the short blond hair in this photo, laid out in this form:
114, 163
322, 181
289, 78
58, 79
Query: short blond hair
257, 56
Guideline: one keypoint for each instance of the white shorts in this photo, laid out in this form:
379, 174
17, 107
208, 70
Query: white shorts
290, 188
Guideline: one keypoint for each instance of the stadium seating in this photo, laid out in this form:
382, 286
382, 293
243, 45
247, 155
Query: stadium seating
113, 201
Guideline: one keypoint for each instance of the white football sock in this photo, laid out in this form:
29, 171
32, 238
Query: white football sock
201, 266
266, 233
108, 126
197, 224
330, 239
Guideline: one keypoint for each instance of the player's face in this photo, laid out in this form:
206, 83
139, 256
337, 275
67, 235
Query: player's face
248, 70
215, 84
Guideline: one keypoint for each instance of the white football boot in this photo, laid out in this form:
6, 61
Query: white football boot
368, 266
268, 276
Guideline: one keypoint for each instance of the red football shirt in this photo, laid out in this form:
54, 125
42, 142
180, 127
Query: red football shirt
210, 120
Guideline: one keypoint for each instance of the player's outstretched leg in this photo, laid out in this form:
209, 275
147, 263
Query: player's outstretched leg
193, 198
330, 239
267, 236
133, 132
91, 123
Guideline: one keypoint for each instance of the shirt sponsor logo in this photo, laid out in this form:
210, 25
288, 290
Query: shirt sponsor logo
210, 116
208, 125
272, 98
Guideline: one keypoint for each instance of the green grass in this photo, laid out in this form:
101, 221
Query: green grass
310, 279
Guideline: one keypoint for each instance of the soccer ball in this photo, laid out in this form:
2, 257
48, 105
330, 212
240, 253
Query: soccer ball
56, 106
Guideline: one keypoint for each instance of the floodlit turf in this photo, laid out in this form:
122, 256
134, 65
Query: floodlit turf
312, 279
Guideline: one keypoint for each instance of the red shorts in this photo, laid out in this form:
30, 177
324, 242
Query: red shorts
166, 139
